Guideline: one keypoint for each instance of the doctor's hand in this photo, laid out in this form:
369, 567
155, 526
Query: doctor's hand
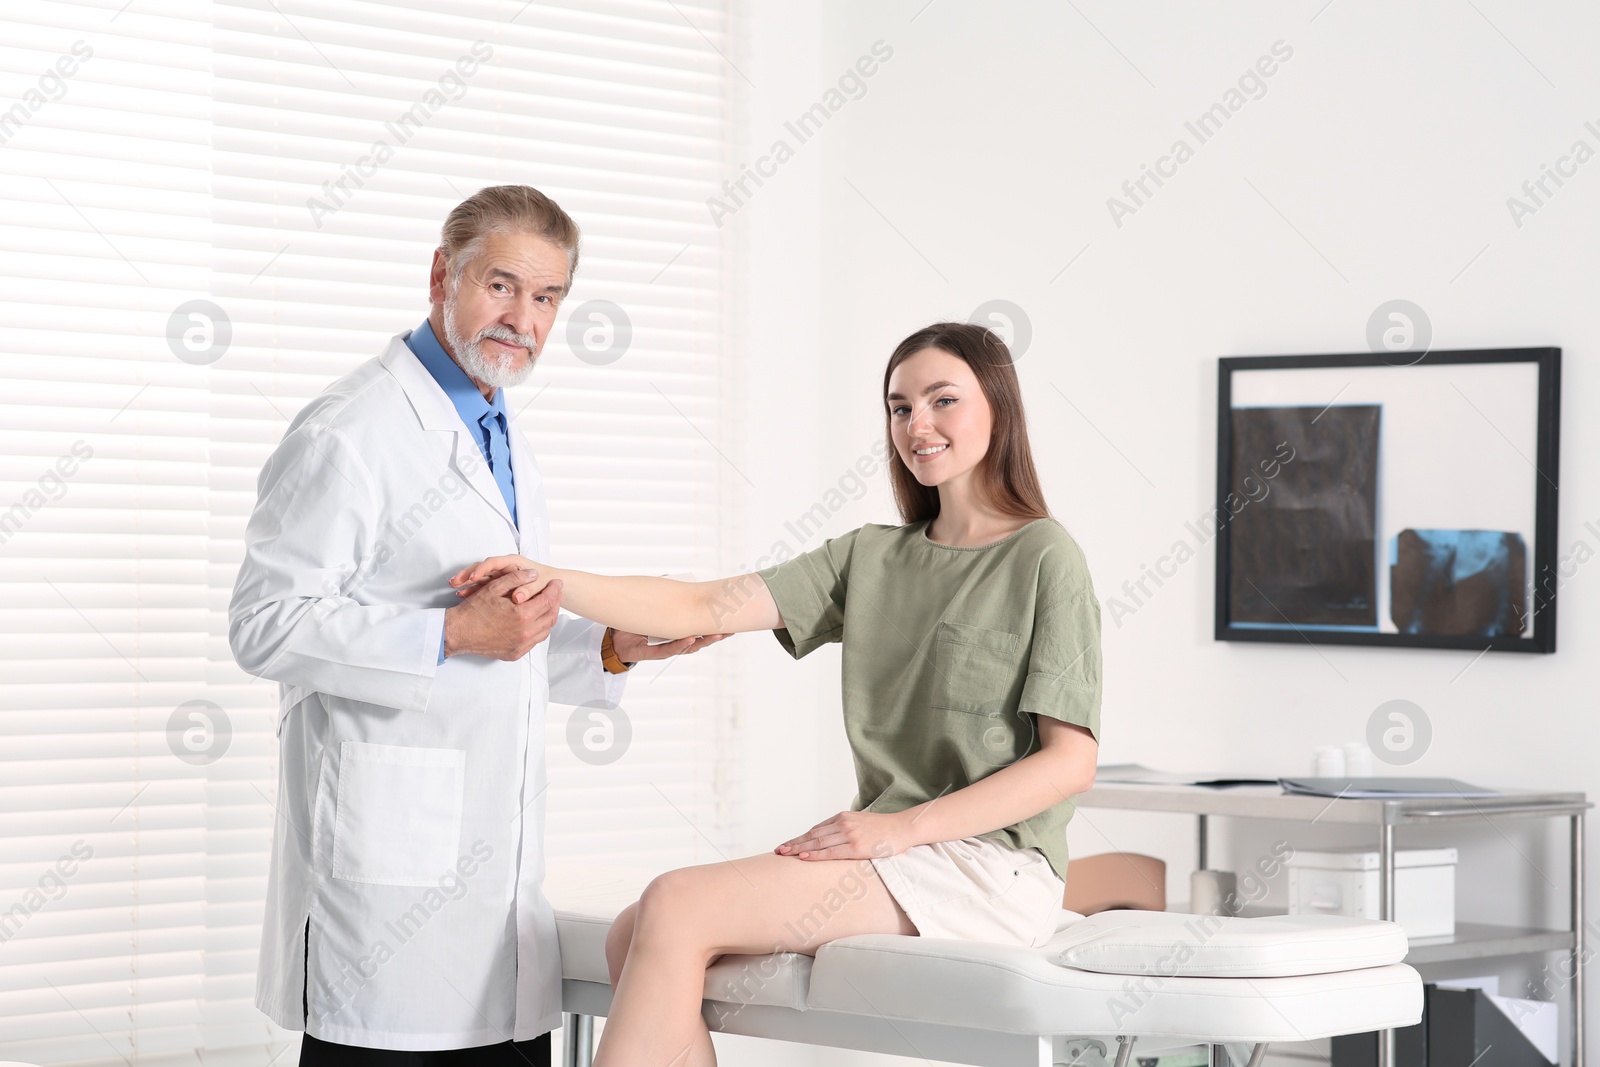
631, 648
490, 624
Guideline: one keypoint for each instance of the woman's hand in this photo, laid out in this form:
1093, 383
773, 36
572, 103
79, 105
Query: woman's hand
470, 579
852, 835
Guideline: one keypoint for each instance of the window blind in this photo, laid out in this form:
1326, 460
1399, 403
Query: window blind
200, 235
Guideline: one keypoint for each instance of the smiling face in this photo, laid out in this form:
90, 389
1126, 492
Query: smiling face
939, 418
498, 304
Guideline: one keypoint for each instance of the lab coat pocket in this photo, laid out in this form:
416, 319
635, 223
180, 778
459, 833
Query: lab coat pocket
974, 667
397, 819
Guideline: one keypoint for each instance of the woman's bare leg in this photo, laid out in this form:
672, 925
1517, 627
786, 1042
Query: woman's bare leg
689, 917
618, 940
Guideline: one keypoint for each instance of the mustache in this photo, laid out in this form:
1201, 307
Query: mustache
502, 332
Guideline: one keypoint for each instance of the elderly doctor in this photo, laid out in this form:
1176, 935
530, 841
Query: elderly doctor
404, 913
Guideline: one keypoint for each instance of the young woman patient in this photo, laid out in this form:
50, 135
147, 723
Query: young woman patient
971, 671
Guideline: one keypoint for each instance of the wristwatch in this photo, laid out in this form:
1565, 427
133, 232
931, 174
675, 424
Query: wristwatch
608, 654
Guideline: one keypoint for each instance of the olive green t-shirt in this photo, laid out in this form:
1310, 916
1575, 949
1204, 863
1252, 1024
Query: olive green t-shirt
949, 653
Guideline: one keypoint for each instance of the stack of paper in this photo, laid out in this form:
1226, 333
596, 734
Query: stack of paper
1139, 774
1383, 788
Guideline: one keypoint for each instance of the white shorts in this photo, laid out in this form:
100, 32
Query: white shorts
975, 889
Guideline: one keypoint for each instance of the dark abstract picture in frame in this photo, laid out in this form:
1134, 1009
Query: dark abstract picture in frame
1389, 499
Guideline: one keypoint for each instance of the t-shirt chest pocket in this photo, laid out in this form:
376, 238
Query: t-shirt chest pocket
975, 667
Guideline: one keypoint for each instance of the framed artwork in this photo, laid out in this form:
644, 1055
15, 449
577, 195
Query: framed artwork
1362, 500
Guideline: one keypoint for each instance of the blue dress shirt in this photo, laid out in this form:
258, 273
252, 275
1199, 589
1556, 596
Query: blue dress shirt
486, 420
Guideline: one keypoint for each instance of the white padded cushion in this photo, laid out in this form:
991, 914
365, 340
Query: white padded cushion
1013, 990
1271, 946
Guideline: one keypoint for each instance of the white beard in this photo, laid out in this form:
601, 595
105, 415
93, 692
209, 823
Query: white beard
479, 365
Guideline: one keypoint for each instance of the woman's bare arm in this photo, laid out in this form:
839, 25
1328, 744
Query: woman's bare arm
657, 607
1062, 768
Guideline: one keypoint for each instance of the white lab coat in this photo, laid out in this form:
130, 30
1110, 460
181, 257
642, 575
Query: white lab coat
411, 794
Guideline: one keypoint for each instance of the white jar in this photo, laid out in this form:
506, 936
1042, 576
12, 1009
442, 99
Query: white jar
1329, 762
1357, 759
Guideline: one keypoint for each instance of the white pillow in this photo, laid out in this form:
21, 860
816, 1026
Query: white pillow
1212, 946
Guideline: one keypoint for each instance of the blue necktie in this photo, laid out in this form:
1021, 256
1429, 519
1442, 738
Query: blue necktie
497, 449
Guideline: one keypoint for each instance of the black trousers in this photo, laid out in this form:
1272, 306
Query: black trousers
535, 1053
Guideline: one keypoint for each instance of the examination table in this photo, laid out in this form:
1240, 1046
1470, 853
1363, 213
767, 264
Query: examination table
1106, 986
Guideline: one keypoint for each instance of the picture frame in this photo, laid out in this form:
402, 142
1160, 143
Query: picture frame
1400, 499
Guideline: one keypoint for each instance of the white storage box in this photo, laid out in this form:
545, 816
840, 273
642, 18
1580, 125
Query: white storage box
1345, 882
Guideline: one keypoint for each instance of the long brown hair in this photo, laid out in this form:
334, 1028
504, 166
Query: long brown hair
1006, 478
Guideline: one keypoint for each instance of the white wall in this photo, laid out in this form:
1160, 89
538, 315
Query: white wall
781, 408
1377, 165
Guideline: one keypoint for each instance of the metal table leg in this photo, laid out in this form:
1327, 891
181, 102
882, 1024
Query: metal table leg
1577, 941
1200, 842
577, 1047
1386, 910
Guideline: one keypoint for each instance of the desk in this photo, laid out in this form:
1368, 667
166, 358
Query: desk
1471, 940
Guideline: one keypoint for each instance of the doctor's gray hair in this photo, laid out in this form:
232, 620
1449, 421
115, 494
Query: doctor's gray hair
505, 209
